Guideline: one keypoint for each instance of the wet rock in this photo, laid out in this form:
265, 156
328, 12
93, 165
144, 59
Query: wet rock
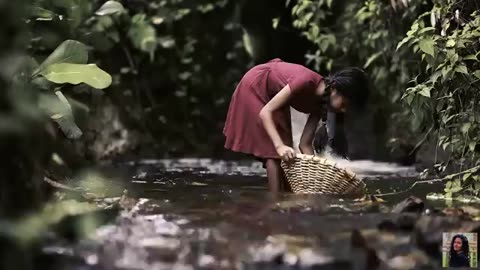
132, 258
472, 211
308, 258
401, 262
290, 258
405, 222
206, 261
318, 260
162, 226
429, 243
364, 255
429, 229
160, 243
277, 254
387, 226
140, 242
435, 225
456, 212
271, 252
169, 266
414, 260
431, 211
411, 204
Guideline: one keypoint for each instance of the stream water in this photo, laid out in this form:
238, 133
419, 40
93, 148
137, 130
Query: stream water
206, 214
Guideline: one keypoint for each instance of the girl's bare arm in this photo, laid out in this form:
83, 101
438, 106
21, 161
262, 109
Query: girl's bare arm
266, 115
306, 140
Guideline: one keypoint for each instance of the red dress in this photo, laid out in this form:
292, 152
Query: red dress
244, 131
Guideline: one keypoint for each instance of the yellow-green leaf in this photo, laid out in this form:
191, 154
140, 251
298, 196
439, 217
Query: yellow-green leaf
70, 51
143, 35
450, 43
426, 45
41, 14
477, 73
446, 72
461, 69
425, 91
404, 40
372, 58
471, 146
448, 185
410, 99
470, 57
110, 7
206, 8
435, 76
275, 22
426, 29
76, 73
466, 127
247, 44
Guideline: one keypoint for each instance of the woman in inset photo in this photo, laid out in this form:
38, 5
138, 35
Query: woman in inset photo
459, 252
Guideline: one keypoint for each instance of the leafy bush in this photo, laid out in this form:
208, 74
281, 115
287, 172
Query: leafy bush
171, 74
445, 94
438, 84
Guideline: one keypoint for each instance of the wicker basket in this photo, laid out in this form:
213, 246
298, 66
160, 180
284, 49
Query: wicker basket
310, 174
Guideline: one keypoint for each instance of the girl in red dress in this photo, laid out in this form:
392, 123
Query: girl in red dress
258, 119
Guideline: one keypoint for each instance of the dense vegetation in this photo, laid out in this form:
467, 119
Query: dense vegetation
423, 59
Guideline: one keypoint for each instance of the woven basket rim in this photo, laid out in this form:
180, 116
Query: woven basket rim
314, 174
326, 161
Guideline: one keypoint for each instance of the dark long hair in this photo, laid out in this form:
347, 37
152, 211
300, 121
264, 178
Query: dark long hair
465, 247
352, 83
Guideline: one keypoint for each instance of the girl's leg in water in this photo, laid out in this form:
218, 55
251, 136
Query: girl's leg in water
276, 178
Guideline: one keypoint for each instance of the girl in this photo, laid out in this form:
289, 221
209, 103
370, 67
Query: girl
459, 252
258, 119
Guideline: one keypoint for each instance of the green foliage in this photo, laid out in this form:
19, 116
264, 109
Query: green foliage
143, 35
70, 51
439, 83
76, 74
66, 64
59, 109
449, 63
168, 70
109, 8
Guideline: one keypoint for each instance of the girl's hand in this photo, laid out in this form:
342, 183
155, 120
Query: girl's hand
286, 153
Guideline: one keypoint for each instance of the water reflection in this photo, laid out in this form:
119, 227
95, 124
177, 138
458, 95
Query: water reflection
206, 214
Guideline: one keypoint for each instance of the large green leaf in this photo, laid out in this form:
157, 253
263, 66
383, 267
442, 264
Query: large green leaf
110, 7
426, 45
77, 73
70, 51
59, 109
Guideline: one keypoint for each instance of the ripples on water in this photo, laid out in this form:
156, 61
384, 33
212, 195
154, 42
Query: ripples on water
364, 168
207, 214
